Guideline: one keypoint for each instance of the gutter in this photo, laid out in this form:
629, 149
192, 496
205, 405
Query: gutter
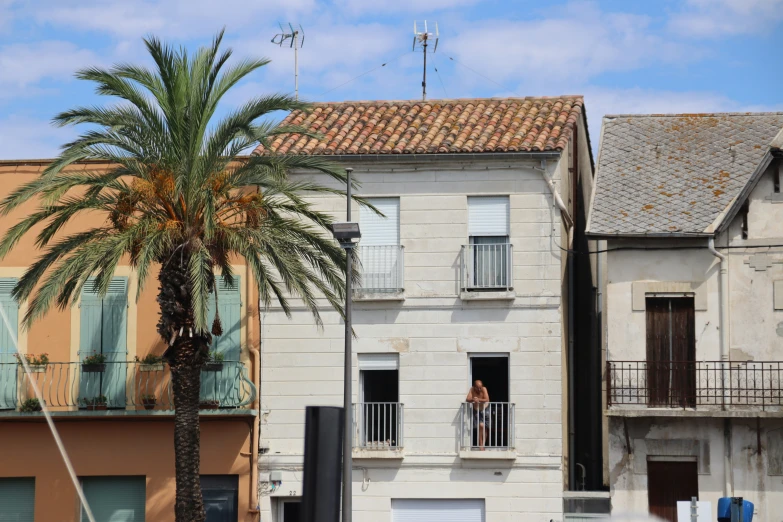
728, 486
458, 156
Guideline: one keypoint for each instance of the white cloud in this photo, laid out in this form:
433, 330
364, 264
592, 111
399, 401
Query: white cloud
720, 18
575, 43
400, 6
27, 64
26, 138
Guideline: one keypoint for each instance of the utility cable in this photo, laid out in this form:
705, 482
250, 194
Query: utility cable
364, 74
434, 66
474, 71
48, 416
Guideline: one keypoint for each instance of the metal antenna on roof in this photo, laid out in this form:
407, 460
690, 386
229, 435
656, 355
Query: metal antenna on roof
293, 40
422, 39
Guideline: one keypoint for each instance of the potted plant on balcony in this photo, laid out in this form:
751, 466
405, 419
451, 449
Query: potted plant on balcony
36, 363
150, 363
209, 404
98, 403
149, 401
94, 363
30, 406
215, 362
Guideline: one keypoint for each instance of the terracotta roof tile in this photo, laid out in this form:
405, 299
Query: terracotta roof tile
433, 127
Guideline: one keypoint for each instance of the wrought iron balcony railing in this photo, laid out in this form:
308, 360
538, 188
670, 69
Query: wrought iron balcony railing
378, 425
126, 385
486, 267
682, 384
382, 268
487, 425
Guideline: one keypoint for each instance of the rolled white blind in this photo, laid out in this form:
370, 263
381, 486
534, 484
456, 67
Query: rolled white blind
488, 215
377, 230
446, 510
379, 361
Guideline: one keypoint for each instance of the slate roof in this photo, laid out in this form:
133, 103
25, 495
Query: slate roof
674, 174
433, 126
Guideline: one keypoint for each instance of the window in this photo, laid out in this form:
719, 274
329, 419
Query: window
671, 351
17, 499
379, 249
115, 499
776, 178
8, 360
497, 415
221, 493
379, 414
451, 510
669, 482
222, 384
489, 252
744, 213
103, 330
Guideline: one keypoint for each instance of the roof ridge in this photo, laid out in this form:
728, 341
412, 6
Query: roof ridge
449, 100
692, 114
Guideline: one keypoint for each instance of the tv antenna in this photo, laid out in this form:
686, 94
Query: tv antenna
292, 39
422, 39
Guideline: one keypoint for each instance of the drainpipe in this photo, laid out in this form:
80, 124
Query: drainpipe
728, 486
253, 506
571, 392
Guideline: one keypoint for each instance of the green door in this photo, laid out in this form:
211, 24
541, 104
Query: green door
104, 331
8, 362
115, 499
17, 499
224, 385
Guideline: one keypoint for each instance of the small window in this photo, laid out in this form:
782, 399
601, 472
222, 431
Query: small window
776, 178
379, 249
744, 213
488, 259
17, 499
116, 498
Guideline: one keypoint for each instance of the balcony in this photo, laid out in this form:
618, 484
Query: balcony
382, 268
378, 429
497, 439
715, 388
120, 388
486, 271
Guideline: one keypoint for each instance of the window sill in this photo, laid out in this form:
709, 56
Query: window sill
488, 454
367, 454
501, 295
361, 296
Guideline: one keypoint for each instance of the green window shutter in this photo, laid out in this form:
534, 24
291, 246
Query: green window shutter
8, 339
115, 499
17, 499
230, 306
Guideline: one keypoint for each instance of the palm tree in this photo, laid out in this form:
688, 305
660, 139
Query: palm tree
178, 194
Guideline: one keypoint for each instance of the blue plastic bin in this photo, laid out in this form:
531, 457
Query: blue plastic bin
724, 510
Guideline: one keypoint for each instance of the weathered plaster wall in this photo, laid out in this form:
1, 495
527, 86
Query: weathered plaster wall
434, 331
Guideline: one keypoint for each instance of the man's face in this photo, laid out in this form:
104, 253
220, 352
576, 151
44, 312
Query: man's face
478, 384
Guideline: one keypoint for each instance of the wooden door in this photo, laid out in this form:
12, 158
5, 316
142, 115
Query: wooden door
671, 352
669, 482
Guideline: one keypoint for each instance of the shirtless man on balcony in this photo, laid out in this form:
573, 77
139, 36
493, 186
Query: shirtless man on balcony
479, 397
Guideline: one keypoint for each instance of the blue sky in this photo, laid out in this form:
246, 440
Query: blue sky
624, 56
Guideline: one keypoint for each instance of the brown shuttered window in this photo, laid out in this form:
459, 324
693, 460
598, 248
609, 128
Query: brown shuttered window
671, 352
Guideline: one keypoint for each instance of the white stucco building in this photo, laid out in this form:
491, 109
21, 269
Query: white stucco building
465, 278
689, 212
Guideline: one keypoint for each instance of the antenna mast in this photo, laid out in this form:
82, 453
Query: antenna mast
422, 40
293, 40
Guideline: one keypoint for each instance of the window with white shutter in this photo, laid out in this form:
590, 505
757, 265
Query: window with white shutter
379, 250
442, 510
489, 251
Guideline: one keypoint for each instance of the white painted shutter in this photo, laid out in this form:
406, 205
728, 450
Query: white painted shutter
379, 361
377, 230
488, 216
446, 510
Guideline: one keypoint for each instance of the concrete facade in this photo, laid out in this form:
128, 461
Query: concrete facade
737, 447
435, 328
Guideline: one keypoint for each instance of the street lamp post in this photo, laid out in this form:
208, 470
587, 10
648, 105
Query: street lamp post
345, 233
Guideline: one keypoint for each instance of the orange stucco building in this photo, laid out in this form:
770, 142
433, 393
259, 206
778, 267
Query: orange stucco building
116, 417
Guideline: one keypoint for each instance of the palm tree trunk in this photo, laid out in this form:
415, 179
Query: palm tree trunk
186, 354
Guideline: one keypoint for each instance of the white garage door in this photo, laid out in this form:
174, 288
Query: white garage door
417, 510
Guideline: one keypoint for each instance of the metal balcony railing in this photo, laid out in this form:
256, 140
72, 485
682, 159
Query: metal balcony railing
486, 267
382, 268
378, 425
497, 421
127, 385
688, 384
